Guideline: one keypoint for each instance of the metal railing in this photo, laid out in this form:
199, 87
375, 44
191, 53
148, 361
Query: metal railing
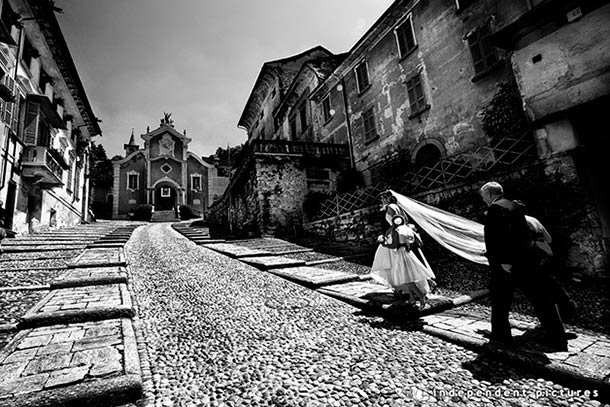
464, 167
38, 155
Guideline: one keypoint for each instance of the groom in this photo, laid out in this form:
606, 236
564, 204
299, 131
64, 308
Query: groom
508, 242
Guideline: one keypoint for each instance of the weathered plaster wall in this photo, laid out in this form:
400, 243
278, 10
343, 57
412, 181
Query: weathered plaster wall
573, 68
443, 60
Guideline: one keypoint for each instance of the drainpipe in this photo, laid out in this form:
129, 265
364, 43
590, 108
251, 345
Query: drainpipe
348, 124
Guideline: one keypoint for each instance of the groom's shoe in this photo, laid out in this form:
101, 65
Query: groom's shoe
504, 340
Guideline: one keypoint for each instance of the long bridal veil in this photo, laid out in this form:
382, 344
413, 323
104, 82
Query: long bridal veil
461, 236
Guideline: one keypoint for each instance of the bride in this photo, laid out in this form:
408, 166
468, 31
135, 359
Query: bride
396, 264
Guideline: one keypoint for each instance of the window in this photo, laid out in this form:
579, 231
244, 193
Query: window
362, 76
29, 53
166, 192
326, 108
303, 117
318, 179
370, 132
484, 54
273, 93
417, 98
405, 37
132, 181
70, 175
196, 182
262, 133
166, 168
293, 128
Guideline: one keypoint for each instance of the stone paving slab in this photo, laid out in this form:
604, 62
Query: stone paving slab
78, 277
313, 276
78, 304
105, 245
585, 364
92, 363
235, 251
207, 241
37, 248
96, 257
271, 262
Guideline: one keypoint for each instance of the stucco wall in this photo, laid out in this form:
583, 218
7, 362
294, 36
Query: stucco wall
573, 68
127, 200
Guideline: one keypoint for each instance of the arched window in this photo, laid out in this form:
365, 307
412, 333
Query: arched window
427, 155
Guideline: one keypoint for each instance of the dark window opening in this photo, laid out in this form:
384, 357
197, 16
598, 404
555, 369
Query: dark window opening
326, 108
362, 76
405, 37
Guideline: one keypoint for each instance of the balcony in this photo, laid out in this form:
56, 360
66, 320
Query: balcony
300, 148
41, 168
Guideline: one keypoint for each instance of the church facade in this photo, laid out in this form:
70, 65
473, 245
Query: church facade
164, 174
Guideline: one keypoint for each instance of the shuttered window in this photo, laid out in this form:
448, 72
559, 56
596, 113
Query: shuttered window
405, 37
370, 130
484, 55
362, 76
417, 98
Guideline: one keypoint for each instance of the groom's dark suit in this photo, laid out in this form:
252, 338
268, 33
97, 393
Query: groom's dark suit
508, 242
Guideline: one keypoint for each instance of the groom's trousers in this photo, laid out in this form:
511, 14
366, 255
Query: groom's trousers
535, 287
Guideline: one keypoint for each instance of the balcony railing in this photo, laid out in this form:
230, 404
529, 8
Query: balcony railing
300, 148
39, 164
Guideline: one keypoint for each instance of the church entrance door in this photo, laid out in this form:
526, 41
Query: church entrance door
165, 198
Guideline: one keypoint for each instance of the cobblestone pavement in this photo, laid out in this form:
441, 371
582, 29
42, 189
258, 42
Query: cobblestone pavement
218, 332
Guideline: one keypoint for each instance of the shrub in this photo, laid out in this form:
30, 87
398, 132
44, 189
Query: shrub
312, 202
186, 212
143, 212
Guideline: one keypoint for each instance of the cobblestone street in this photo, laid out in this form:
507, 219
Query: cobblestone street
219, 332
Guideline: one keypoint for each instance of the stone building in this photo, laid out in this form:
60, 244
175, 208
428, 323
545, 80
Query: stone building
283, 159
421, 83
164, 174
46, 122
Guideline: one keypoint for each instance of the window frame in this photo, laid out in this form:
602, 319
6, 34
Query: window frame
368, 116
166, 192
409, 20
199, 178
417, 104
326, 115
303, 119
137, 178
479, 42
362, 87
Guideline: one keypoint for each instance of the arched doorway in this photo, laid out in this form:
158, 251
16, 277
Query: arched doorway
427, 155
165, 198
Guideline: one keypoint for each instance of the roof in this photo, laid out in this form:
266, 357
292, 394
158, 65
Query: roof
379, 29
270, 71
49, 26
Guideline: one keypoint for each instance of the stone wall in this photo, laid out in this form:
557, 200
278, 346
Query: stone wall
563, 206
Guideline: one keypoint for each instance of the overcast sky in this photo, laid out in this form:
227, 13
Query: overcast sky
197, 59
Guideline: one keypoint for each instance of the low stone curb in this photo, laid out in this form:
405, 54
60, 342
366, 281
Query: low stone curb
300, 275
267, 263
46, 248
82, 282
37, 317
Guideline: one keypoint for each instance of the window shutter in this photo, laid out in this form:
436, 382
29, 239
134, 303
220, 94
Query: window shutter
30, 130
